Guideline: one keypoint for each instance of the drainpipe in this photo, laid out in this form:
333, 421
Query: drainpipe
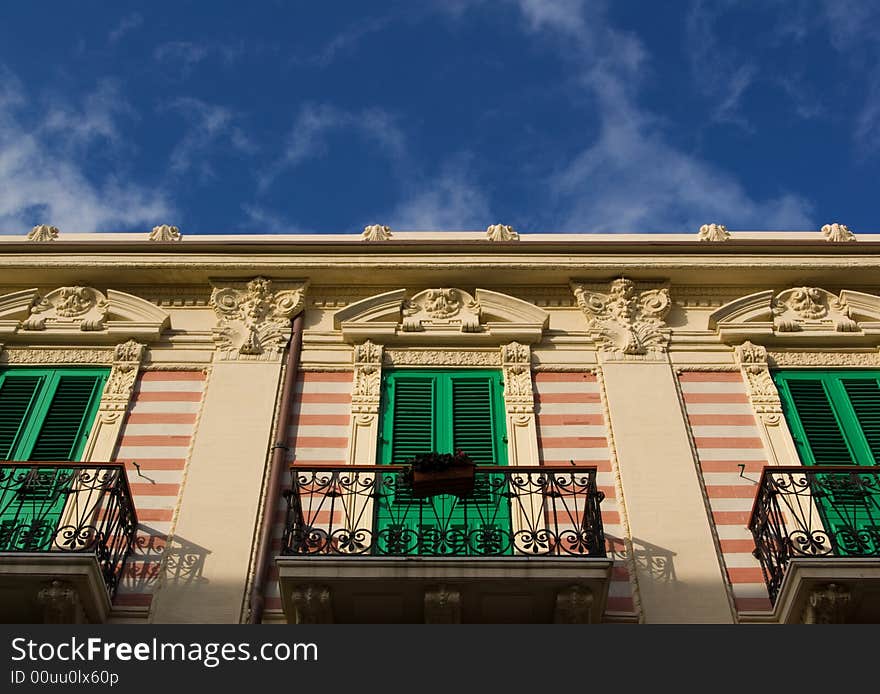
270, 507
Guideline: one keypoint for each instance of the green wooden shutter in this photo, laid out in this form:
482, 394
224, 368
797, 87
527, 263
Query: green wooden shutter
819, 437
413, 418
864, 396
17, 395
473, 429
67, 419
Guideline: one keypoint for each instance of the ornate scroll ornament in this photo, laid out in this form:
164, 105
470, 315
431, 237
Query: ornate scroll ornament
501, 232
763, 393
714, 232
367, 388
163, 232
441, 308
83, 307
626, 320
837, 233
376, 232
43, 232
516, 361
811, 308
254, 321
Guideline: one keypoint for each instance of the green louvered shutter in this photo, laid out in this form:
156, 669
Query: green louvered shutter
413, 418
864, 396
67, 420
17, 395
473, 429
820, 439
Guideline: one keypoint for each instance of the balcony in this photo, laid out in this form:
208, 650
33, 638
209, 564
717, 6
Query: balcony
66, 530
817, 537
526, 545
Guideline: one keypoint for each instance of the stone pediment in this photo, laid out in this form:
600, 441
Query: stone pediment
800, 314
442, 315
79, 314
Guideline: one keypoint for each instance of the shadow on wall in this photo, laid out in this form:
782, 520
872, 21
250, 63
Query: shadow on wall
650, 559
181, 561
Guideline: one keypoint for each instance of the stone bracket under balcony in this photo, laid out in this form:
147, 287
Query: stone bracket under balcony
46, 588
829, 590
418, 589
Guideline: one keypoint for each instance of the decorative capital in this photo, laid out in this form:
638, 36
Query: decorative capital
516, 360
367, 388
127, 358
376, 232
764, 395
624, 319
714, 232
43, 232
837, 233
164, 232
253, 322
501, 232
748, 354
441, 308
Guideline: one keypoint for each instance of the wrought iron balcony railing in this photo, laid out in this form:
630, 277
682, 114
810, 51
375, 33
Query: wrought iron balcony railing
67, 507
371, 510
825, 511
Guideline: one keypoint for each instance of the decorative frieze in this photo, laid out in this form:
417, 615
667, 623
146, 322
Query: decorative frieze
501, 232
44, 357
714, 232
42, 233
376, 232
826, 359
624, 319
164, 232
253, 322
837, 233
435, 357
441, 308
367, 386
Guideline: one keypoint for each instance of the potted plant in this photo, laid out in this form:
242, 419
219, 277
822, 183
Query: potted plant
441, 473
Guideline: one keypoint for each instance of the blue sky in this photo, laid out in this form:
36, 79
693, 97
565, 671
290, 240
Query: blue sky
549, 115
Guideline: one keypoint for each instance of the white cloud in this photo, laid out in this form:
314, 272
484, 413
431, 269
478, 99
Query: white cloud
211, 128
43, 176
125, 25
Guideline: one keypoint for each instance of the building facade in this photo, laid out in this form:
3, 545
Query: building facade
651, 428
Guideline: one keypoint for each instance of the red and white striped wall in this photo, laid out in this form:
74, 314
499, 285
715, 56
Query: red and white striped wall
157, 434
571, 427
726, 436
317, 434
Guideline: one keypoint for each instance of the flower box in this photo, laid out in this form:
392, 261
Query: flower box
441, 473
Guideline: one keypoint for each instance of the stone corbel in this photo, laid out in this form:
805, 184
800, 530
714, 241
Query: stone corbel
115, 400
766, 403
61, 604
827, 605
366, 395
573, 605
442, 605
253, 321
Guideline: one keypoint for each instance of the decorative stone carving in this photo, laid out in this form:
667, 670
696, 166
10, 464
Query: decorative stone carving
827, 605
837, 233
442, 605
43, 232
800, 314
868, 360
519, 395
56, 356
254, 321
762, 390
164, 232
424, 357
805, 308
61, 604
312, 604
441, 308
81, 306
367, 388
714, 232
573, 605
624, 319
376, 232
120, 383
501, 232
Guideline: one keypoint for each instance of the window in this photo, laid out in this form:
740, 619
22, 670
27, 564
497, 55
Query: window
443, 411
834, 418
45, 414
